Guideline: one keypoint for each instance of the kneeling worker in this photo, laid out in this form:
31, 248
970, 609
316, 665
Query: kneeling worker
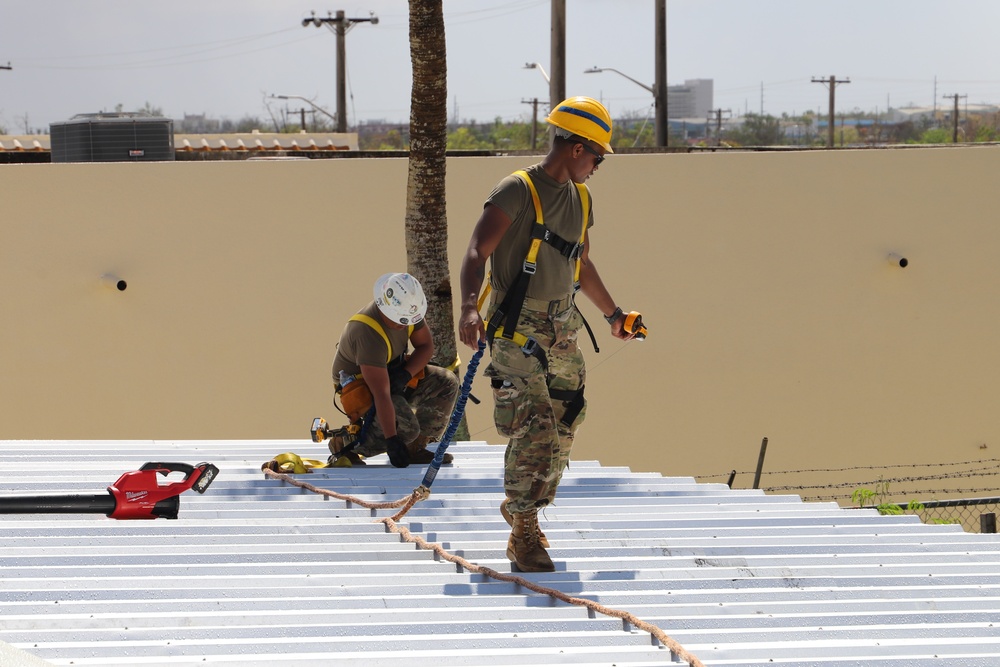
413, 400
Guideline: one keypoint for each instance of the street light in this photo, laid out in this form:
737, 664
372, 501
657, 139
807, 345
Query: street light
595, 70
659, 101
307, 101
541, 69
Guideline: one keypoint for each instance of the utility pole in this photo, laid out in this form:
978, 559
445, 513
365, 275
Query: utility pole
716, 114
954, 120
557, 59
831, 83
534, 120
660, 84
339, 24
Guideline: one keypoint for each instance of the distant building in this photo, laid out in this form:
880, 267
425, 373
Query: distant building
694, 99
912, 114
942, 113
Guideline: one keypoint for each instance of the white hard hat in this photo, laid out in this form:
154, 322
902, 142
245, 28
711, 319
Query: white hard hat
400, 298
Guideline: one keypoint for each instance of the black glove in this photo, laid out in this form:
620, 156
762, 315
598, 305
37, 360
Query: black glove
396, 449
398, 377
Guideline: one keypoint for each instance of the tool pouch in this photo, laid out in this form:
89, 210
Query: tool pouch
356, 400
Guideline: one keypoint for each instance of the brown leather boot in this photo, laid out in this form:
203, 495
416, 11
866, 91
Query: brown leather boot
420, 454
510, 522
524, 549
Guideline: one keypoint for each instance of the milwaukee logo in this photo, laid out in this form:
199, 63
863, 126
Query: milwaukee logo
132, 496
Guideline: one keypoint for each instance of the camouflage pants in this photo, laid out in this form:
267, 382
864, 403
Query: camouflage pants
539, 443
420, 413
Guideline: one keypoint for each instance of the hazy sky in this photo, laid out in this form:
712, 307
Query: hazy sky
224, 57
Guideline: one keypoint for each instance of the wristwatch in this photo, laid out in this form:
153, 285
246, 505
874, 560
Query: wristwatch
613, 317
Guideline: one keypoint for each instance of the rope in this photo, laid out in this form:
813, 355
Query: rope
418, 494
408, 501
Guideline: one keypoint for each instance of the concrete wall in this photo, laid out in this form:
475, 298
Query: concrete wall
765, 279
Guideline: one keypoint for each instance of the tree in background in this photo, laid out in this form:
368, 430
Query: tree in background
982, 128
465, 139
633, 129
246, 124
934, 135
757, 130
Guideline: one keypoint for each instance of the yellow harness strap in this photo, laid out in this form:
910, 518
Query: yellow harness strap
518, 338
290, 463
531, 259
585, 204
374, 324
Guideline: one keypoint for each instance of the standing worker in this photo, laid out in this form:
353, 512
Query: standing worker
534, 226
413, 399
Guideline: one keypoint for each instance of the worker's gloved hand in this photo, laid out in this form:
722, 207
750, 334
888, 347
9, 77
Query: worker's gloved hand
398, 377
396, 449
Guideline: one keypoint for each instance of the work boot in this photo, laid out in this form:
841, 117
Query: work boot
510, 522
420, 454
342, 460
524, 549
424, 456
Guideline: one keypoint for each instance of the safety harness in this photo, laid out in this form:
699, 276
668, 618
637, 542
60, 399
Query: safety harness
377, 326
361, 431
504, 320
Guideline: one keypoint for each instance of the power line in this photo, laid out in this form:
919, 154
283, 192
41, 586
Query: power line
339, 24
831, 83
954, 120
716, 115
534, 120
165, 61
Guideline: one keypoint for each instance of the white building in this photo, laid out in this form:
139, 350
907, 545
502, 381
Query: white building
692, 100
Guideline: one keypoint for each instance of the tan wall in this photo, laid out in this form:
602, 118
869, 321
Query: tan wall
764, 278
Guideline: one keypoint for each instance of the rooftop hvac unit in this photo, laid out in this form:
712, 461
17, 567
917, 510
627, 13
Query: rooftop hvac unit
115, 137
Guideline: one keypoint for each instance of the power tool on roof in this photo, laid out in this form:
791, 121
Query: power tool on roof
633, 325
136, 495
343, 440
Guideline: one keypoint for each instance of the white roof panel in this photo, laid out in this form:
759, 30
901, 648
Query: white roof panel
258, 572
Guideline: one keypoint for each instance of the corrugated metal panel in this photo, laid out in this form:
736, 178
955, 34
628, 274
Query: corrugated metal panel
258, 572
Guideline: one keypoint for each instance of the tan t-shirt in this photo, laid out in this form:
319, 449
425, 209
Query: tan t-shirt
360, 344
562, 213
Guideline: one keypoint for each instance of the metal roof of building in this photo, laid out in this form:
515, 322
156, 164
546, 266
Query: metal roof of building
262, 142
257, 571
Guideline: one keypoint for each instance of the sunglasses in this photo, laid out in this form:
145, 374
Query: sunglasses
598, 158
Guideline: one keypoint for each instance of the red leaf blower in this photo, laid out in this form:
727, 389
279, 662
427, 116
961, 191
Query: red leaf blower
136, 495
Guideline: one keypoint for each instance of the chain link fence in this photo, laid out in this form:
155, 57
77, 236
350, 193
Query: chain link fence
976, 515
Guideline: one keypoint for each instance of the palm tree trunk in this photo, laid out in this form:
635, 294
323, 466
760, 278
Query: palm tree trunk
426, 216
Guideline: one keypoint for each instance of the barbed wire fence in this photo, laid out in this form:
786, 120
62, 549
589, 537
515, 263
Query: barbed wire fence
964, 492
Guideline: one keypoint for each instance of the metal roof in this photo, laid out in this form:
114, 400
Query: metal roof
259, 572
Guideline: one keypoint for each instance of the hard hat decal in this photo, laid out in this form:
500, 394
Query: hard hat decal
400, 298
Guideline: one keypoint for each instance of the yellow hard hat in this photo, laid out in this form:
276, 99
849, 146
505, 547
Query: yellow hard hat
584, 117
